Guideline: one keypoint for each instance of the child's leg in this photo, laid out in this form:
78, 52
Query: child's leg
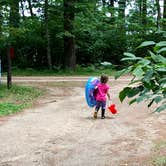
103, 113
96, 110
103, 109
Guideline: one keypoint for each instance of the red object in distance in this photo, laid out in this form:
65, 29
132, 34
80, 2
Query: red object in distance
112, 109
11, 52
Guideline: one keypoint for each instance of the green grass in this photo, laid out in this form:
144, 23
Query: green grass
159, 157
82, 71
10, 108
17, 98
160, 161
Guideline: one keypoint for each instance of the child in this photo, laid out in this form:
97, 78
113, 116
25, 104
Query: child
102, 92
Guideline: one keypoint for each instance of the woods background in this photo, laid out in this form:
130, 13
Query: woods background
58, 34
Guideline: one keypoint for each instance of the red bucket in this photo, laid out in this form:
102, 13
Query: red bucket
112, 109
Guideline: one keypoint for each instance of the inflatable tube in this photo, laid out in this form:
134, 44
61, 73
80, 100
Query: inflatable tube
90, 92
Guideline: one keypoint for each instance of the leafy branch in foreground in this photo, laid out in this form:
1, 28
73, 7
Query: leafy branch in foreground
149, 76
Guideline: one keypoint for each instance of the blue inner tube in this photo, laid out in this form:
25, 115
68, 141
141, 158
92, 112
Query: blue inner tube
89, 91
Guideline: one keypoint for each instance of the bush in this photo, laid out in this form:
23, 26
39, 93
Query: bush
149, 76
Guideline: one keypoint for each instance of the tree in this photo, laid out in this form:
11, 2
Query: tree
149, 76
69, 38
104, 3
158, 13
14, 13
164, 9
1, 19
30, 8
164, 16
22, 8
63, 33
47, 35
144, 12
122, 6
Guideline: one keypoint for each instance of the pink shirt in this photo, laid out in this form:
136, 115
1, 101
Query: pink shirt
102, 91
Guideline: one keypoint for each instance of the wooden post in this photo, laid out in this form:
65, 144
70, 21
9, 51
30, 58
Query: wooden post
9, 69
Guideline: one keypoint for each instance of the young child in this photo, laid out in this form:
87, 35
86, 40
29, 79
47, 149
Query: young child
102, 93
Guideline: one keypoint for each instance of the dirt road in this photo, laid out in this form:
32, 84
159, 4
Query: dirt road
60, 129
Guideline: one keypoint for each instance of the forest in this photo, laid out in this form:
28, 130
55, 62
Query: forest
57, 34
49, 50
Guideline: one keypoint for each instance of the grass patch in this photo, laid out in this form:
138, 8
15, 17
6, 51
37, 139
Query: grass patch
82, 71
159, 157
10, 108
160, 161
17, 98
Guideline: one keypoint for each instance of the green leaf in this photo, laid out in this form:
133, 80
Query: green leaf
144, 62
162, 59
148, 76
133, 81
148, 85
106, 63
161, 108
158, 58
129, 92
163, 80
141, 98
132, 101
160, 68
162, 50
130, 56
154, 57
161, 44
146, 43
123, 93
122, 72
158, 99
133, 91
138, 72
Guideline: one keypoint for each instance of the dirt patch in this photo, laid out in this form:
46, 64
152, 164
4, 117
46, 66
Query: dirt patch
60, 130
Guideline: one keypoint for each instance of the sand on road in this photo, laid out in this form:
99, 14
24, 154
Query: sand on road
60, 130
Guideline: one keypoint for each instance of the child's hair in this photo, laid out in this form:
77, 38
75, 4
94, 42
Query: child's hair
104, 78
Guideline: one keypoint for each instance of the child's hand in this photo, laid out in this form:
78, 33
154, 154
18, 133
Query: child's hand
109, 102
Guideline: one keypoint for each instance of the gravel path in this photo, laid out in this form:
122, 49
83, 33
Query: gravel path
61, 131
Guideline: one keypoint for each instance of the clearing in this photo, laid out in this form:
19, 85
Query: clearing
60, 130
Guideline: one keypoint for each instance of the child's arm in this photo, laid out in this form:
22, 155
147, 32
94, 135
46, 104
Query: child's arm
108, 95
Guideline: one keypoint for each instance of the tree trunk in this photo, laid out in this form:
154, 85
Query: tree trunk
22, 8
164, 9
158, 14
1, 20
112, 3
104, 3
69, 38
122, 6
144, 12
14, 13
112, 8
30, 8
9, 69
14, 19
49, 61
140, 8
